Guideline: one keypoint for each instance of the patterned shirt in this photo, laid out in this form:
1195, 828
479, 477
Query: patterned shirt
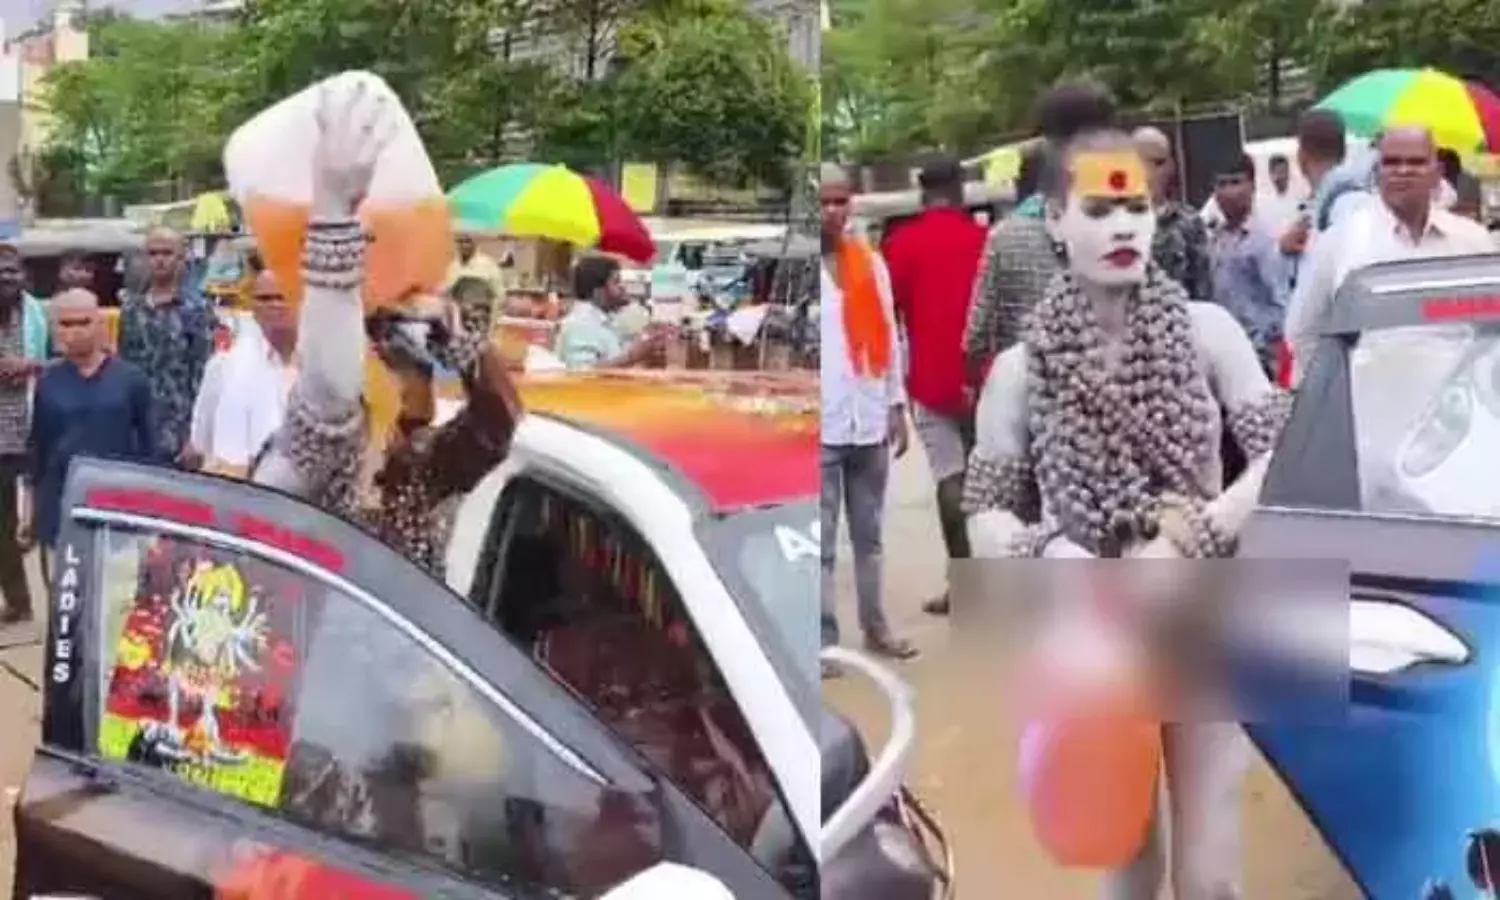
15, 399
1181, 249
1020, 258
171, 342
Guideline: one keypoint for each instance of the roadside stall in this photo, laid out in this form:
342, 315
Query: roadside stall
752, 309
685, 246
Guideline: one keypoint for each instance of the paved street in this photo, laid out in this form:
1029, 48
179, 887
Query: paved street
966, 757
20, 712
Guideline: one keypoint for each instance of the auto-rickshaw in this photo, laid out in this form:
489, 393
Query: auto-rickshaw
112, 254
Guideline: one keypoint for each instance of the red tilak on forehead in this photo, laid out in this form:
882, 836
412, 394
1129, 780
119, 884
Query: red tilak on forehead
1117, 180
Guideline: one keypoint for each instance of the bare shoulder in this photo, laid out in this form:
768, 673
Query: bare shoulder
1212, 323
1007, 375
1220, 339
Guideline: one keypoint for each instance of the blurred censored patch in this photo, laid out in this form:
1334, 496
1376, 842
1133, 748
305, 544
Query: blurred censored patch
1194, 640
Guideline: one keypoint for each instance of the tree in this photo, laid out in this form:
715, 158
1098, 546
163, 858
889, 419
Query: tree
1455, 36
907, 74
156, 103
148, 109
710, 86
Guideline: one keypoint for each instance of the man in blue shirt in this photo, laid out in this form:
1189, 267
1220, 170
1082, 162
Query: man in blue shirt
586, 339
1248, 275
88, 403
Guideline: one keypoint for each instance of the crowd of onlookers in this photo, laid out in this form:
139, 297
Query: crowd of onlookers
958, 293
169, 388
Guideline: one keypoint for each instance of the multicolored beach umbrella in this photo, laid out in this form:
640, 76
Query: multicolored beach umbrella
535, 200
1463, 115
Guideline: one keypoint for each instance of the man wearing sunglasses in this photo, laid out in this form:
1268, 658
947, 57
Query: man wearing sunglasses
1404, 222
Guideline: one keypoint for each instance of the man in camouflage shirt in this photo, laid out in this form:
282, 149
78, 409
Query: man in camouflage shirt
1019, 260
167, 331
1181, 244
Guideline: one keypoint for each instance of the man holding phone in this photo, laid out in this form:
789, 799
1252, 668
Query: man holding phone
587, 339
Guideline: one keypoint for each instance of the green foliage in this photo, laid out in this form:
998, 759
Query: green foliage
711, 86
153, 106
147, 108
1457, 36
903, 75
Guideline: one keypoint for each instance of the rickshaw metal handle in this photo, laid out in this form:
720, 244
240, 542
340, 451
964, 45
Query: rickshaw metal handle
883, 783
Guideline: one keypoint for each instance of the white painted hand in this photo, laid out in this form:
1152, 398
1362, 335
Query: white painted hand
356, 120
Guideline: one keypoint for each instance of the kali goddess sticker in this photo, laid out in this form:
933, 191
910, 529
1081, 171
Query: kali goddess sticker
202, 676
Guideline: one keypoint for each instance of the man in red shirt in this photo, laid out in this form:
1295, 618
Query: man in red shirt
933, 260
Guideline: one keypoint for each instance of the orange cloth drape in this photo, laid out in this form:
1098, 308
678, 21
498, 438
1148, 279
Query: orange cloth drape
867, 329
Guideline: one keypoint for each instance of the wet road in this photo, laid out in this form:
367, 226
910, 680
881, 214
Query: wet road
20, 712
965, 760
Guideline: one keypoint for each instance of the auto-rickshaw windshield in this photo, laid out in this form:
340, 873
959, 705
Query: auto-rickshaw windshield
1426, 405
768, 558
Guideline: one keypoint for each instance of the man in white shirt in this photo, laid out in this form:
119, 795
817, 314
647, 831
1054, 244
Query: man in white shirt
863, 413
1276, 208
254, 380
1402, 222
586, 338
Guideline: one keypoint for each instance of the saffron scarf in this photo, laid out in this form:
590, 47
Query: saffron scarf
867, 330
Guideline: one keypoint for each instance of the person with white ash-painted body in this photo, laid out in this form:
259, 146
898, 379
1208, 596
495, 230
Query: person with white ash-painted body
1099, 436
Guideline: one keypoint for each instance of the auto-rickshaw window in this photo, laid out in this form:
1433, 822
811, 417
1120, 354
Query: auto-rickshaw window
585, 594
1426, 405
278, 689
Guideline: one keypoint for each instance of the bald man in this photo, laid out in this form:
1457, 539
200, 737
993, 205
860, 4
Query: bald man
88, 403
167, 331
1180, 247
247, 386
1404, 223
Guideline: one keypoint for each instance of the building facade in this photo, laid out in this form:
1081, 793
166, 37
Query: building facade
57, 39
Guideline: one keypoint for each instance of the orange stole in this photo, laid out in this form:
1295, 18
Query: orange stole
867, 329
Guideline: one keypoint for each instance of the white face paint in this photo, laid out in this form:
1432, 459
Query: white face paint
1107, 228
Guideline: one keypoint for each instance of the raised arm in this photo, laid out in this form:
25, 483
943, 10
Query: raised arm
464, 449
323, 440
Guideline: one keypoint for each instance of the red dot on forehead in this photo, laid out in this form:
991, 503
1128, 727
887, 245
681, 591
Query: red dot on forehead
1117, 180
